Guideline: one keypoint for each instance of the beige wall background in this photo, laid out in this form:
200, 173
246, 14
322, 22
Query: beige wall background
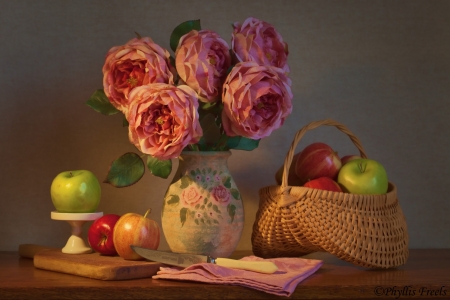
380, 67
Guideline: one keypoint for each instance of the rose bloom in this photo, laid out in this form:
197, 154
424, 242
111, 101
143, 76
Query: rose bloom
221, 194
163, 119
257, 99
138, 62
258, 41
191, 196
202, 59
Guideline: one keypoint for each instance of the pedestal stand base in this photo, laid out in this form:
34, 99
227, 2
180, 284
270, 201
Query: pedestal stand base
76, 244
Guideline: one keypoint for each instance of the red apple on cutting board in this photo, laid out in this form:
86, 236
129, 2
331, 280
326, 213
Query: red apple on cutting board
323, 183
134, 229
317, 160
100, 234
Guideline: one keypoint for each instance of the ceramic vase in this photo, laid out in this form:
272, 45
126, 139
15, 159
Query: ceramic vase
203, 211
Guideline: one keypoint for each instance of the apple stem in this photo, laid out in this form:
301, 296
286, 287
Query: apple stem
147, 212
362, 167
70, 174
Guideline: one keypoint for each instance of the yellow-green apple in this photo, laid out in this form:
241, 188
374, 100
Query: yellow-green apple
292, 177
323, 183
345, 159
137, 230
75, 192
363, 176
100, 234
317, 160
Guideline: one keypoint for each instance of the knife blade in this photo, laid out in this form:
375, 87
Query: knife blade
185, 260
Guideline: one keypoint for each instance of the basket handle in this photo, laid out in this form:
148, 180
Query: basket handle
301, 133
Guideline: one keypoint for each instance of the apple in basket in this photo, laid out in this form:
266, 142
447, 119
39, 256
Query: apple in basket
317, 160
363, 176
323, 183
345, 159
138, 230
100, 234
292, 177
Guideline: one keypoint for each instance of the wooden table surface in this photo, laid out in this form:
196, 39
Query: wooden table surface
426, 275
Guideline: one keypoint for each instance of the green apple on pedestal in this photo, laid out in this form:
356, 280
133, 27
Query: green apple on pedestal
363, 176
75, 192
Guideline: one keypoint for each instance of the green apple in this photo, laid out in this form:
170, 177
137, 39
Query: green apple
363, 176
75, 192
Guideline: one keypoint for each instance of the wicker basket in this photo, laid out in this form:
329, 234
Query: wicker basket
366, 230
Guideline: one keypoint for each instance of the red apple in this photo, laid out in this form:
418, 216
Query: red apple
134, 229
317, 160
292, 177
347, 158
323, 183
100, 234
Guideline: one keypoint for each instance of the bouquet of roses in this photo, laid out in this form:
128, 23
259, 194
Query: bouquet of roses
208, 97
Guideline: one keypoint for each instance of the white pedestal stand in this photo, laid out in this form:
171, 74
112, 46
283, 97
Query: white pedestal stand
76, 244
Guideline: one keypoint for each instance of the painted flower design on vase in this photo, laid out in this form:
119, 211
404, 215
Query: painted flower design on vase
202, 206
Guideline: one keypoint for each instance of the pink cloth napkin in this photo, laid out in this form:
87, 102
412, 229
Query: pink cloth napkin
291, 271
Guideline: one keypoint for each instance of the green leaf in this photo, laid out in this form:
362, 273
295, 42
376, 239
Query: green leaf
232, 66
227, 182
242, 143
126, 170
211, 132
235, 193
183, 213
185, 181
160, 168
100, 103
125, 122
216, 209
181, 30
174, 199
172, 64
231, 211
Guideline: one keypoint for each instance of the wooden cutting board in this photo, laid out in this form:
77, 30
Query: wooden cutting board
92, 265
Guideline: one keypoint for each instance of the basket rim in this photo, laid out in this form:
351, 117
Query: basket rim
299, 135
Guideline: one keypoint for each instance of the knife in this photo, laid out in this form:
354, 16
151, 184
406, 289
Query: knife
185, 260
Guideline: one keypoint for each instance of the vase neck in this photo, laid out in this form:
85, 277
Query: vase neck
193, 160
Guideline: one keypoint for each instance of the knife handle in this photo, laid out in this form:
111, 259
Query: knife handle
266, 267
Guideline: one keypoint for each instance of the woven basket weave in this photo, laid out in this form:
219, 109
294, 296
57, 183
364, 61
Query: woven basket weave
366, 230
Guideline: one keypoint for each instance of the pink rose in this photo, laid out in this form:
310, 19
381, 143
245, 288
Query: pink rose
202, 59
138, 62
257, 99
221, 194
163, 119
191, 196
258, 41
